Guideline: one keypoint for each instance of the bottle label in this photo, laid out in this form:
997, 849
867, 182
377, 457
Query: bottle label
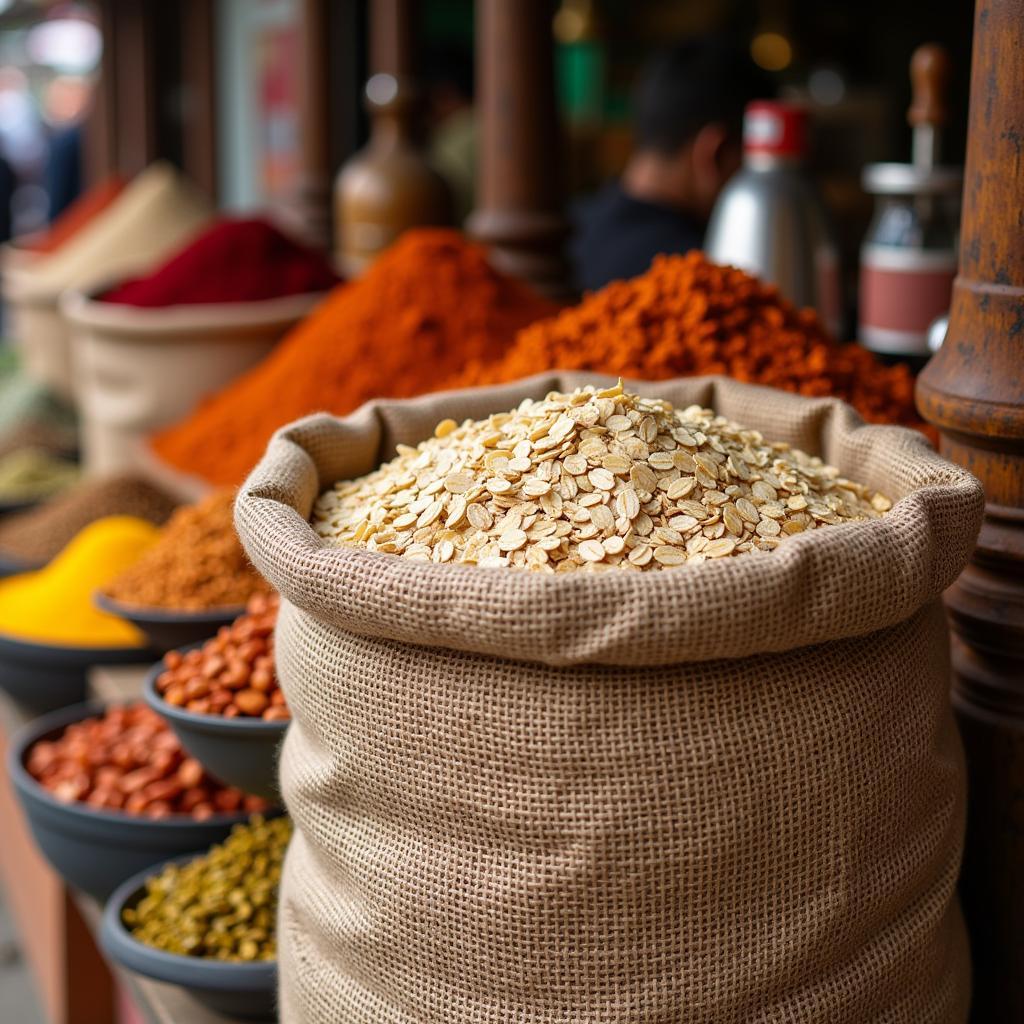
901, 292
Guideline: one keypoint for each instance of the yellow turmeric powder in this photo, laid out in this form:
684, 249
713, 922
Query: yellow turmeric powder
55, 605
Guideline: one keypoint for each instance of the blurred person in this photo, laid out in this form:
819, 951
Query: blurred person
687, 126
451, 122
64, 107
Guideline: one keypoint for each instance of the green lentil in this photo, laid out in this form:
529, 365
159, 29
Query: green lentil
221, 905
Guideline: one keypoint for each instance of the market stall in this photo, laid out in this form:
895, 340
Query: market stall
395, 633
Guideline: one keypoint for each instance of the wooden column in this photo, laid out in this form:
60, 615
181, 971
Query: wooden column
520, 192
199, 94
308, 211
973, 391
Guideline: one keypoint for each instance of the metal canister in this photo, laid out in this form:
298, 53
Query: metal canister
908, 259
909, 256
770, 220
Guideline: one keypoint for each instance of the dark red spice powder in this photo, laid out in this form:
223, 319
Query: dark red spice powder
231, 261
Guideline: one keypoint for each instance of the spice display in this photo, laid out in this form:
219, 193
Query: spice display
55, 605
39, 435
231, 261
686, 316
196, 565
127, 759
36, 536
233, 674
426, 307
222, 905
84, 209
591, 480
25, 400
32, 474
151, 217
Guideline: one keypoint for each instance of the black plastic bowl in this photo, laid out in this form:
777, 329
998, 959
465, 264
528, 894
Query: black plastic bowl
41, 677
167, 629
96, 850
245, 990
242, 752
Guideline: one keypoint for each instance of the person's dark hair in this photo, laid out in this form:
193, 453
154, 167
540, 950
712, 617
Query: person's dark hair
692, 84
451, 66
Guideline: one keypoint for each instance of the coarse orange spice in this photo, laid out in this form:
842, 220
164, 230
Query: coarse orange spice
687, 316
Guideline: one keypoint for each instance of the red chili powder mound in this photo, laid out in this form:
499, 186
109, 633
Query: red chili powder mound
429, 305
231, 261
85, 208
687, 316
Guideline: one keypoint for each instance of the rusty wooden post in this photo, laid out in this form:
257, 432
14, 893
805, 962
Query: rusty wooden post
520, 191
973, 391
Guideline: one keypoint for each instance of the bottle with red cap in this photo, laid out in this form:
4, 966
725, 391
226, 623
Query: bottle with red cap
770, 220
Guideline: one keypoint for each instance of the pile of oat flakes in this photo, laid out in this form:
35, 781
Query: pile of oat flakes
589, 481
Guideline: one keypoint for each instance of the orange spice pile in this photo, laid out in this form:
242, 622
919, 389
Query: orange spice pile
687, 317
428, 305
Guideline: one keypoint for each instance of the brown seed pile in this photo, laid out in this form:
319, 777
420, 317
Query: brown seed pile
127, 759
233, 674
591, 480
195, 565
38, 535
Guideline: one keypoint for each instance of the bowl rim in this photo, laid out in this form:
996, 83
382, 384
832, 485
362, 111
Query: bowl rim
28, 786
214, 724
223, 614
85, 308
62, 654
15, 567
122, 947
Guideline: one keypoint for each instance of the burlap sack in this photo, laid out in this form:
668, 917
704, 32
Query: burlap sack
728, 793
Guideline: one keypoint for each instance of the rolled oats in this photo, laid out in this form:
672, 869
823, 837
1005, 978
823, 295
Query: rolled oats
587, 481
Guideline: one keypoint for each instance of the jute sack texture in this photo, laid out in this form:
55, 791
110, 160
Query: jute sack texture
725, 793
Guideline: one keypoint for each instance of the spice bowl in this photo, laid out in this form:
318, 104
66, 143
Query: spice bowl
95, 850
235, 989
241, 752
166, 629
140, 369
41, 677
13, 567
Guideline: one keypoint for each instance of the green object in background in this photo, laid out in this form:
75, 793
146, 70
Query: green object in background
30, 475
24, 401
581, 79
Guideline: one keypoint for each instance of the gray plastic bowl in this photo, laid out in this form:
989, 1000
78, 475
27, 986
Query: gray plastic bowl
245, 990
41, 677
10, 566
167, 629
242, 752
96, 850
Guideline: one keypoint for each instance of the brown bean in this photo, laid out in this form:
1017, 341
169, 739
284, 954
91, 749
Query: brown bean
190, 773
277, 714
175, 695
251, 702
228, 799
196, 687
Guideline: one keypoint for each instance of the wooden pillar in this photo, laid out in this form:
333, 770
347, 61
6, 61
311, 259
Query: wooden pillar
199, 94
520, 191
973, 391
309, 209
